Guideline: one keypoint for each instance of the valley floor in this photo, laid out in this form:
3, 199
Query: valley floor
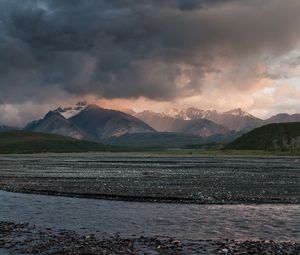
270, 186
157, 178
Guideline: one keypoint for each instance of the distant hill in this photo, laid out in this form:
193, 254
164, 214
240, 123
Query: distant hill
279, 136
4, 128
32, 142
204, 128
282, 118
197, 127
156, 140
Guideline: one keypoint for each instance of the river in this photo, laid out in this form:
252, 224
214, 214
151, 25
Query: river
184, 221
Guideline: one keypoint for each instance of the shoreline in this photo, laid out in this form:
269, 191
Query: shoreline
173, 153
149, 199
23, 238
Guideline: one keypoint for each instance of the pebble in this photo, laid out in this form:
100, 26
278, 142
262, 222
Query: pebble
25, 239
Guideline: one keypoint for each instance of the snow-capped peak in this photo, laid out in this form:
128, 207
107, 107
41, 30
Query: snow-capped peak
69, 112
173, 113
193, 113
188, 113
239, 112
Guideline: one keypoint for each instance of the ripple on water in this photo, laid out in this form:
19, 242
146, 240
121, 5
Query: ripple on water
277, 222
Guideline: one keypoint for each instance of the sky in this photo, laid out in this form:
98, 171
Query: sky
149, 54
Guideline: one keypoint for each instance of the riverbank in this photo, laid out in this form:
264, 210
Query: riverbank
177, 200
27, 239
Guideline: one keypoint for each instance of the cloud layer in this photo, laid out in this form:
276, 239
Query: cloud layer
160, 50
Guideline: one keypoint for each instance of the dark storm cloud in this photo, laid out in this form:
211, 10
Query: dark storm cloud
131, 48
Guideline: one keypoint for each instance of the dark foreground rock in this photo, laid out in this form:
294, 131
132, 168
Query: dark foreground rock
26, 239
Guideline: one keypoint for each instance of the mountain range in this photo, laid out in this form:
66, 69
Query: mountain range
91, 122
196, 126
235, 120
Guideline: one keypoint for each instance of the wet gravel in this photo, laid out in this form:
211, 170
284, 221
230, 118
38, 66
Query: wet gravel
208, 180
22, 238
139, 177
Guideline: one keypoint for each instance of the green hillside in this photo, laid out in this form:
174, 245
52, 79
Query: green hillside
156, 140
32, 142
281, 136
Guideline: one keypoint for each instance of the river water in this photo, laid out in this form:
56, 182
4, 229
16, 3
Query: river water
184, 221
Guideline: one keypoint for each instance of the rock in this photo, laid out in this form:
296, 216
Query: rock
224, 251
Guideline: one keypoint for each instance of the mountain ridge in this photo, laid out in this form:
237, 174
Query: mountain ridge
282, 118
70, 111
94, 123
103, 123
55, 123
91, 122
236, 119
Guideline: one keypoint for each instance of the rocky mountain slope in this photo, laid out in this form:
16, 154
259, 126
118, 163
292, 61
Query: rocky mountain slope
54, 123
90, 122
102, 123
165, 123
236, 120
70, 111
204, 128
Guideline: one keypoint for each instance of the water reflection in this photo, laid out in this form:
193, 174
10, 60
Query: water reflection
277, 222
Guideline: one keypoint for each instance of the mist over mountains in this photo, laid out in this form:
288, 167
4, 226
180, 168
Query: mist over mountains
236, 119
